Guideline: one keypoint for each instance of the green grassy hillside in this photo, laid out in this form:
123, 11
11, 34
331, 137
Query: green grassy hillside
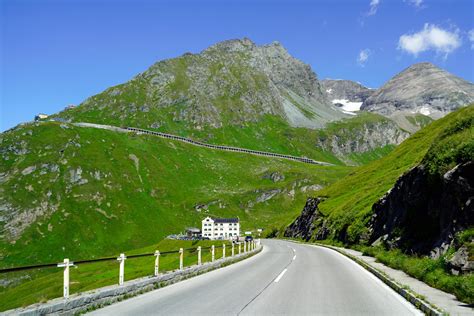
441, 144
39, 285
81, 193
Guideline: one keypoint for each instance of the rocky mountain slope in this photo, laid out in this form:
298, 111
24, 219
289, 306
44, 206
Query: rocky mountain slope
234, 93
363, 138
230, 83
421, 88
346, 94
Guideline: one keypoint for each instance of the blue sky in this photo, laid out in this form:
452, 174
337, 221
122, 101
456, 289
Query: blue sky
55, 53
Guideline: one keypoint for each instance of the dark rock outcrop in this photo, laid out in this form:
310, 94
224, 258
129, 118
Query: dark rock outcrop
310, 224
422, 213
303, 226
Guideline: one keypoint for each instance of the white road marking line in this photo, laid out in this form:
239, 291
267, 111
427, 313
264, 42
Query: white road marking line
293, 249
294, 257
280, 276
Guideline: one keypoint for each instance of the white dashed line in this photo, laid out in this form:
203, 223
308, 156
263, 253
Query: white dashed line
280, 276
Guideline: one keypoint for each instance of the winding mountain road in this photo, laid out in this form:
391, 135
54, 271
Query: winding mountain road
285, 279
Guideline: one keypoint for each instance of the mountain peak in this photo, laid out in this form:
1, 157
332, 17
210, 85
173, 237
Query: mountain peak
423, 65
239, 44
421, 88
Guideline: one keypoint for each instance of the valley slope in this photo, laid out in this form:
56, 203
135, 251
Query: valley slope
69, 191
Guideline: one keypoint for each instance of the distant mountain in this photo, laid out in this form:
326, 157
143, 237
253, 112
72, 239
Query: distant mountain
231, 83
421, 88
347, 94
235, 93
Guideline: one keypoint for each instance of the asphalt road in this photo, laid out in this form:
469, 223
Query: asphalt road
284, 279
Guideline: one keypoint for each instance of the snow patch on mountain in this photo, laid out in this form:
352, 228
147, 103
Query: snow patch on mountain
348, 106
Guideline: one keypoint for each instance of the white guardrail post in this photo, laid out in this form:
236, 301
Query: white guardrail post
212, 252
240, 247
199, 255
121, 259
245, 246
181, 253
232, 253
66, 264
157, 262
223, 251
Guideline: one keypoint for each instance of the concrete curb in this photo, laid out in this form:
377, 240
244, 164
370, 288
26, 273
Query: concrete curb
410, 296
91, 300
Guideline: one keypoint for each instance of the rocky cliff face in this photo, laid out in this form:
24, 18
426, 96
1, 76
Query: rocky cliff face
230, 83
421, 88
303, 226
362, 134
422, 213
346, 89
309, 223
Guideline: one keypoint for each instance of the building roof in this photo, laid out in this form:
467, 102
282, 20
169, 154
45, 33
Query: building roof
226, 220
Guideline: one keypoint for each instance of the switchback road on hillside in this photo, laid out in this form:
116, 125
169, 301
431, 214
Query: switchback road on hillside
285, 279
201, 144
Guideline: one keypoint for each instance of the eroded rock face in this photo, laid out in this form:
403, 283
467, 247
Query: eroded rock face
346, 90
303, 226
460, 262
422, 213
366, 137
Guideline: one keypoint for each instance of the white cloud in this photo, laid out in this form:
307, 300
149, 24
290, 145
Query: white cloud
471, 38
363, 56
431, 37
416, 3
373, 7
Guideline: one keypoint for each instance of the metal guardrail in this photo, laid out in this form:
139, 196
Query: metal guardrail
50, 265
66, 264
226, 148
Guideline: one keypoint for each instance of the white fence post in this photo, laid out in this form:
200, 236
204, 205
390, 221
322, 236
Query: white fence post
245, 246
212, 252
66, 264
232, 249
223, 251
240, 247
157, 262
199, 255
121, 259
181, 252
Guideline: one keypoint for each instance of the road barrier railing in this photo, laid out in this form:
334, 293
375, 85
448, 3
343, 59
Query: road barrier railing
66, 264
226, 148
